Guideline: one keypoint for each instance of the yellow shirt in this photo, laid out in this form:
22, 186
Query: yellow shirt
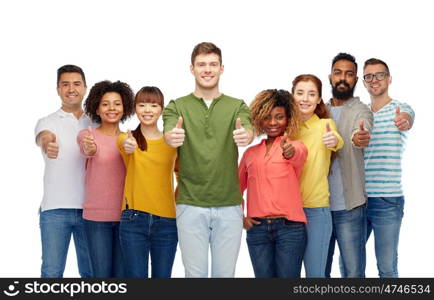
149, 179
313, 183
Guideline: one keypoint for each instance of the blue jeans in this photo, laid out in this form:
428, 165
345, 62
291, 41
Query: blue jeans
276, 247
349, 230
57, 226
201, 229
104, 249
143, 234
319, 230
384, 218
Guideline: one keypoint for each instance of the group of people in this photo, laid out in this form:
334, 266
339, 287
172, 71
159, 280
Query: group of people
323, 173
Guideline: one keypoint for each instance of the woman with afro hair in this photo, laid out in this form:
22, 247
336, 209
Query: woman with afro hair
270, 171
107, 104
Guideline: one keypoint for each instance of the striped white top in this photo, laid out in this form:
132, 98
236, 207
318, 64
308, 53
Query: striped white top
384, 153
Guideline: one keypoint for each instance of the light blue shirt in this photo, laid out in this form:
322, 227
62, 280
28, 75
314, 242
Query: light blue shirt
384, 153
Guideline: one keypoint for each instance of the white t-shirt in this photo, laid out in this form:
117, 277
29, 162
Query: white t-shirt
64, 175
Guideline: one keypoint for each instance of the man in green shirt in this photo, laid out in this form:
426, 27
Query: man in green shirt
208, 127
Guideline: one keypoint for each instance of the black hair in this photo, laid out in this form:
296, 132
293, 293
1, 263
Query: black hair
344, 56
70, 69
100, 89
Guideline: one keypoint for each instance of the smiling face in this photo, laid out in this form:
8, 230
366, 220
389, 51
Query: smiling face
110, 108
275, 123
306, 98
207, 70
71, 89
148, 113
377, 87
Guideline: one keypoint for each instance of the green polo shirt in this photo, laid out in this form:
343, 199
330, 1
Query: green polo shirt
208, 158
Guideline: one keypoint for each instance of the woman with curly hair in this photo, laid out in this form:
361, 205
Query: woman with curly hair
318, 133
270, 171
108, 104
148, 221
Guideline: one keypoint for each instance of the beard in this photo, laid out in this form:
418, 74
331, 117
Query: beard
345, 94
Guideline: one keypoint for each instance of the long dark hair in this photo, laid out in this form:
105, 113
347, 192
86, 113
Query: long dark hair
147, 94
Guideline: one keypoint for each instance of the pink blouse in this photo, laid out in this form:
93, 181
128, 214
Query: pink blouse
272, 182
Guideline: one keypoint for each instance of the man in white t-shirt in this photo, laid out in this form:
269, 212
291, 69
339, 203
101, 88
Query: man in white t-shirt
61, 207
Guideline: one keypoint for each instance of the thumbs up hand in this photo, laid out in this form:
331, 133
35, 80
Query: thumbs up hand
175, 138
49, 145
329, 138
129, 143
288, 149
361, 137
402, 120
88, 143
242, 137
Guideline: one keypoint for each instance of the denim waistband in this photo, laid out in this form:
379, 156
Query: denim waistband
144, 213
276, 220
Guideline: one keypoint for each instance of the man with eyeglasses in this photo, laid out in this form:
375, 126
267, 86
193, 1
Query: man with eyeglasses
392, 120
347, 177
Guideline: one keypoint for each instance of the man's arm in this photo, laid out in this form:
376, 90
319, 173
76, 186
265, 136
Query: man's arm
362, 128
47, 141
243, 133
404, 117
174, 134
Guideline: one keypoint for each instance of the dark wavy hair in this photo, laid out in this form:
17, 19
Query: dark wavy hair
100, 89
147, 94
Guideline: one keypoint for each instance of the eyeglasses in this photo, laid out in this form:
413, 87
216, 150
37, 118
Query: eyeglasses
380, 76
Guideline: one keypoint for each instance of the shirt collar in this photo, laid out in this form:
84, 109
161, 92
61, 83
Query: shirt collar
312, 120
349, 102
215, 99
63, 114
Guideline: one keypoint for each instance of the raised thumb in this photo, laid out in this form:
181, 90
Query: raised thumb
130, 135
362, 125
238, 124
398, 110
328, 129
179, 123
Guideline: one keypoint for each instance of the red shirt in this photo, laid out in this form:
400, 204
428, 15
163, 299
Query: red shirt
273, 182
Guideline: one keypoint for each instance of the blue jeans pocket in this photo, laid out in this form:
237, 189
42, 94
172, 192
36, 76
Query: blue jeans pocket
393, 201
128, 215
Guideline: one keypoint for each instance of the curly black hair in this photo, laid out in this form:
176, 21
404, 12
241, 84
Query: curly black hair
100, 89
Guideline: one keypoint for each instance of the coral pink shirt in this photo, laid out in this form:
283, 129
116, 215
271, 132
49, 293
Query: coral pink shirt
273, 182
104, 179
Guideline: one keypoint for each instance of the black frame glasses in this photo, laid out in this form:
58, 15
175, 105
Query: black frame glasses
379, 76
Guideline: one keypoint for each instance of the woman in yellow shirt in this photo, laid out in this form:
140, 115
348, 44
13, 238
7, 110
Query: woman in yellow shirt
318, 133
148, 220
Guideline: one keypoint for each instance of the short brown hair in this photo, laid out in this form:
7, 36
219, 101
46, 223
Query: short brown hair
205, 48
376, 61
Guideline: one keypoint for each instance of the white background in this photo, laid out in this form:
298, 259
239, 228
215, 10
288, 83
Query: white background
265, 44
